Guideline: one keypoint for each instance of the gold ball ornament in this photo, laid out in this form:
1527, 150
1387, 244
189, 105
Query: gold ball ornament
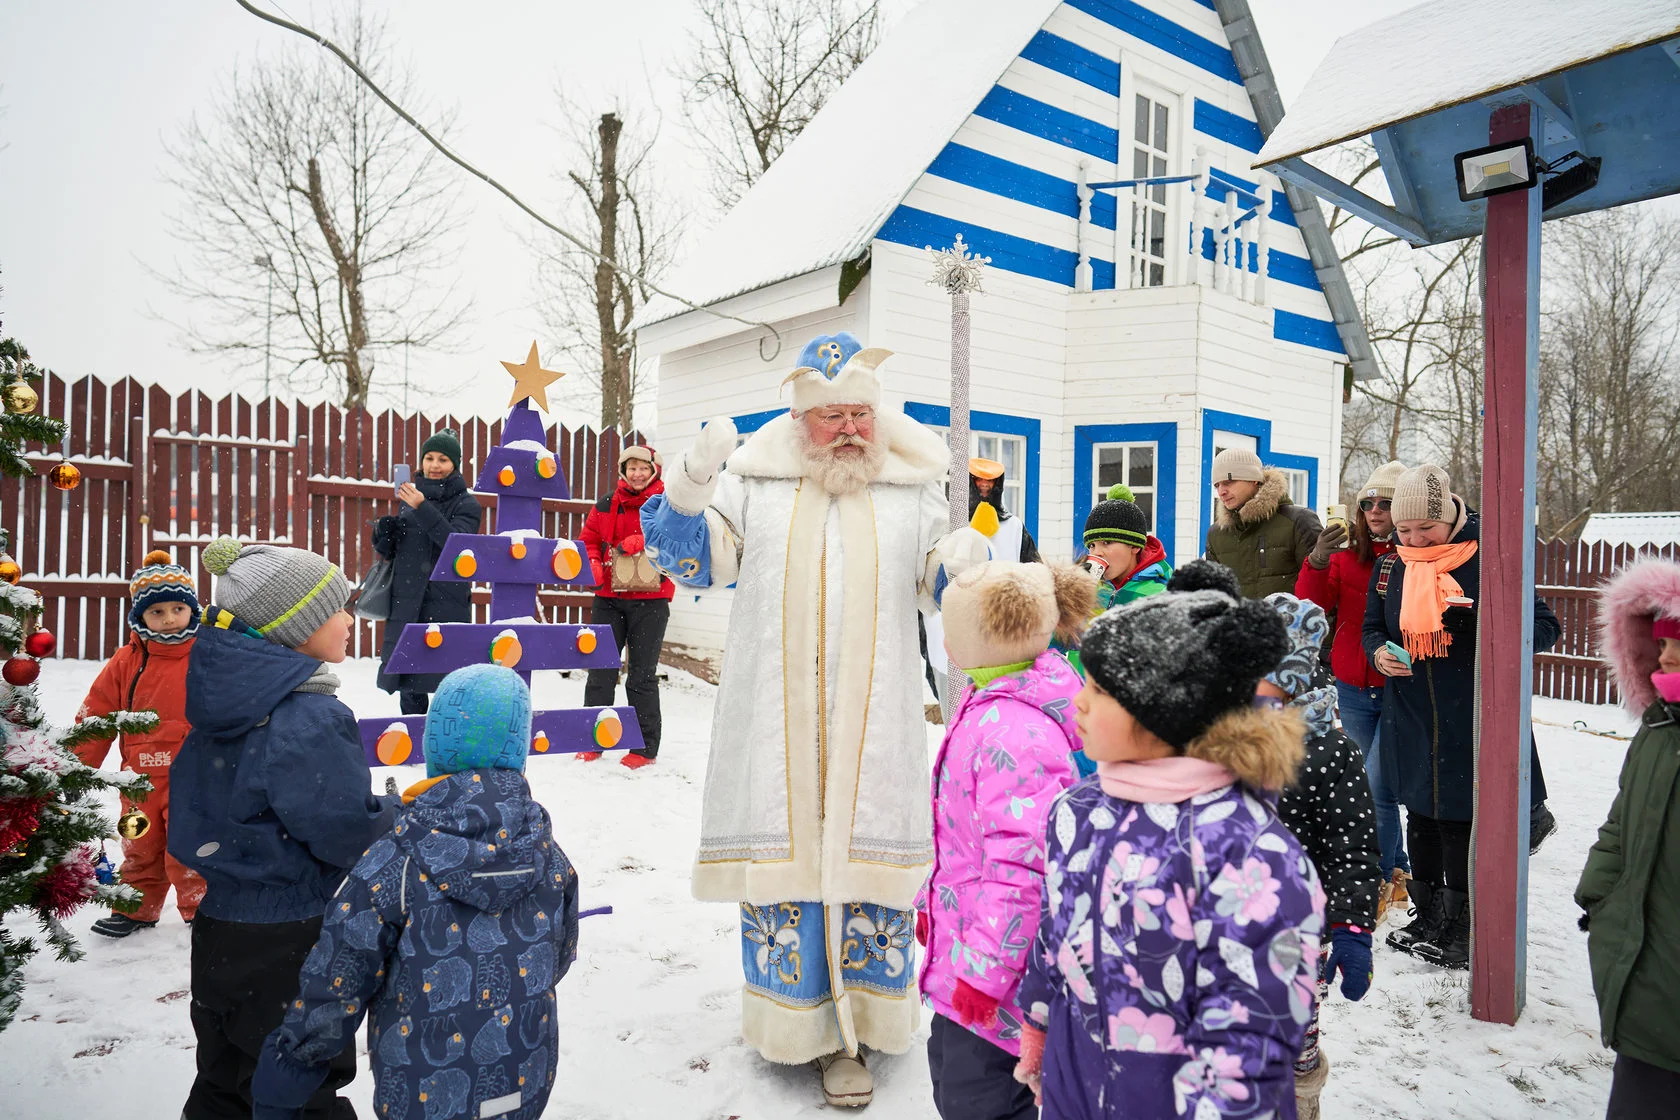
22, 397
10, 570
65, 476
133, 824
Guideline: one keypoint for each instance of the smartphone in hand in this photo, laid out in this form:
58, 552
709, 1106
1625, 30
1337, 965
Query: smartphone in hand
1400, 654
400, 476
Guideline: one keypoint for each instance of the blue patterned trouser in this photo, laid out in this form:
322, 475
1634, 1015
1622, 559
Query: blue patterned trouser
797, 954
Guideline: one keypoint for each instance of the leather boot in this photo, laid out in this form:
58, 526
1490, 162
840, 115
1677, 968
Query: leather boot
845, 1080
1427, 906
1450, 947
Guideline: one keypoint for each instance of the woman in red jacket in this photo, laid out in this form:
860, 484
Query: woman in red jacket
1338, 579
631, 595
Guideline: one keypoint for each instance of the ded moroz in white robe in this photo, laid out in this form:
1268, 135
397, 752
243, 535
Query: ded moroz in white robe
817, 783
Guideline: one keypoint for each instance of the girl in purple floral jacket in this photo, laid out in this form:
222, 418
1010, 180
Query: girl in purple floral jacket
1176, 962
1007, 755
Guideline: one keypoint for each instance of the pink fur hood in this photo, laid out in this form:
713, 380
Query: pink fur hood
1631, 600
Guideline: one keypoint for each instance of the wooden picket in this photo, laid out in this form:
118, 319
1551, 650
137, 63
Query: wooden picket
176, 471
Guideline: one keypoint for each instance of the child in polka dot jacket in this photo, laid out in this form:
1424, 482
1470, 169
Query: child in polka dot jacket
1330, 810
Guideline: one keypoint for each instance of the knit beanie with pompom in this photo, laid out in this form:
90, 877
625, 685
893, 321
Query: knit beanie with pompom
1003, 612
285, 594
1119, 518
1180, 660
161, 580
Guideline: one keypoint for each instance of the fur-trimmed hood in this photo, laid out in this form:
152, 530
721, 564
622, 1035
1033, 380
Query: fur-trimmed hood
1261, 746
915, 454
1627, 606
1272, 496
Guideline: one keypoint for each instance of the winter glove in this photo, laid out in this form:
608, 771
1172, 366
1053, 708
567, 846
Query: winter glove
1029, 1070
1582, 922
973, 1008
922, 928
1352, 955
281, 1087
600, 572
954, 553
690, 487
1332, 538
632, 544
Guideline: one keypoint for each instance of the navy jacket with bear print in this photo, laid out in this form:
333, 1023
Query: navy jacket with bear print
456, 927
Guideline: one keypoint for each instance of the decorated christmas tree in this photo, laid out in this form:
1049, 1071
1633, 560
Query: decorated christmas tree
51, 825
521, 472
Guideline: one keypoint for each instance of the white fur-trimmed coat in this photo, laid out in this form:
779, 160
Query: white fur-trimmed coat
817, 783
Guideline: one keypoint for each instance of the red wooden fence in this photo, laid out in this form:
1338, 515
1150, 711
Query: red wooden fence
175, 472
1568, 575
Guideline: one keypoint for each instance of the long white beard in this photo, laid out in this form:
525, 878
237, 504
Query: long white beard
841, 475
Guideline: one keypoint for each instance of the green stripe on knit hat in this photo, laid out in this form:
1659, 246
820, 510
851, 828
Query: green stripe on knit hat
332, 570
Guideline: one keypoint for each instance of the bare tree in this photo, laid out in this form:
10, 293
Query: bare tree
588, 304
760, 71
302, 189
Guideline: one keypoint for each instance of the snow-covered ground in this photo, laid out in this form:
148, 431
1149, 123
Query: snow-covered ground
649, 1014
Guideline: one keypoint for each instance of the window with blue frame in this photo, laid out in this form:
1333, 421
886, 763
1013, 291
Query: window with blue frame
1233, 429
1143, 456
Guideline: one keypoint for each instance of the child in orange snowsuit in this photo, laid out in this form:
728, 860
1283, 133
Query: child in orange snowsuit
150, 674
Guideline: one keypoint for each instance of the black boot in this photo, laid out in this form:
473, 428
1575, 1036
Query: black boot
119, 925
1541, 824
1451, 947
1427, 903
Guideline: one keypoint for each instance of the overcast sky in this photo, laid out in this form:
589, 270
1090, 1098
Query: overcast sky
90, 91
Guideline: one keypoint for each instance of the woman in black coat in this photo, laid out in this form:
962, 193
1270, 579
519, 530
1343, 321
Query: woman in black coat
437, 504
1429, 709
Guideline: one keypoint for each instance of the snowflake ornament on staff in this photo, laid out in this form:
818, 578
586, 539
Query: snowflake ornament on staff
958, 271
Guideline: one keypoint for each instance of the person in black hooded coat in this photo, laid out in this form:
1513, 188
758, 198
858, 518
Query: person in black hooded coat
435, 505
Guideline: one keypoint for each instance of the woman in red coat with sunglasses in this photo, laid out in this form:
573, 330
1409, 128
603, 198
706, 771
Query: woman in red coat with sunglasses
1338, 579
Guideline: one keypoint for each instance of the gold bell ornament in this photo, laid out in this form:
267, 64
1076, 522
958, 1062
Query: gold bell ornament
21, 397
133, 824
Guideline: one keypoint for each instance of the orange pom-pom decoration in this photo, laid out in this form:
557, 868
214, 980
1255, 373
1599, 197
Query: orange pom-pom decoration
586, 641
608, 729
568, 561
505, 649
505, 476
466, 563
547, 466
394, 745
517, 549
157, 556
539, 743
434, 636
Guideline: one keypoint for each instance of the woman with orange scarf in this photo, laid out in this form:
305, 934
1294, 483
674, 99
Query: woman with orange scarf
1425, 603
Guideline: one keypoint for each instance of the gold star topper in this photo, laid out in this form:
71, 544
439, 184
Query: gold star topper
531, 381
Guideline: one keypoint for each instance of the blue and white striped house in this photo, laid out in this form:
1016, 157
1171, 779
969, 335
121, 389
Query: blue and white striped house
1125, 332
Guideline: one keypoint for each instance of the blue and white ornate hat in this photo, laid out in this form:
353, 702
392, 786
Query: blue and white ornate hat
836, 369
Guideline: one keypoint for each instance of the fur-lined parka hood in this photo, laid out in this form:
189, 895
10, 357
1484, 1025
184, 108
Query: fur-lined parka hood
915, 454
1272, 496
1261, 746
1629, 604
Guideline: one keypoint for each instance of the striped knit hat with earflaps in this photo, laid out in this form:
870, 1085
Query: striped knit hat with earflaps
161, 580
285, 594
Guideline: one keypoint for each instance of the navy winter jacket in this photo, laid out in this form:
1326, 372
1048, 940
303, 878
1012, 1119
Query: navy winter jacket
456, 928
270, 794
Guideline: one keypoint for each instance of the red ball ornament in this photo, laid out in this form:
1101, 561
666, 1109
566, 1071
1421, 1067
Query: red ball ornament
40, 644
21, 671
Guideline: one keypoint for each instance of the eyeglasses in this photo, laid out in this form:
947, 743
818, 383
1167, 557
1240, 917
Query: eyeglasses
1369, 504
839, 419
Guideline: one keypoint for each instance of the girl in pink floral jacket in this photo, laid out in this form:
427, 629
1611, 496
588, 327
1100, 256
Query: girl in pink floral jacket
1005, 759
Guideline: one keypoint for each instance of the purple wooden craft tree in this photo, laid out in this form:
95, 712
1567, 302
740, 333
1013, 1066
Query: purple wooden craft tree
521, 471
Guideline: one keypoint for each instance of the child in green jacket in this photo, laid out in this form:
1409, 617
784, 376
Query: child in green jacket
1630, 889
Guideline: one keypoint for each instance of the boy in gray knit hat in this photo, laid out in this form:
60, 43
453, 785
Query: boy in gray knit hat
271, 804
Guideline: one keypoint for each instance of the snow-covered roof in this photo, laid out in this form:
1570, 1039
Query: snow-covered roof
822, 202
1632, 528
1453, 51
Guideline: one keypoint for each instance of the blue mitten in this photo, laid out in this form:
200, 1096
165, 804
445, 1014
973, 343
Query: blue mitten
281, 1087
1350, 953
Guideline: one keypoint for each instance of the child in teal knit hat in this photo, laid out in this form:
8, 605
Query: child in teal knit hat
465, 915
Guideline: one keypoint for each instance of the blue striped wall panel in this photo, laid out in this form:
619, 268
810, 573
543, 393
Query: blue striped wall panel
1036, 118
994, 175
1240, 132
1304, 329
919, 229
1066, 57
1158, 31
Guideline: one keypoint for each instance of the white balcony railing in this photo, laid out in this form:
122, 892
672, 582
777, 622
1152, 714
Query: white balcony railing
1163, 226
